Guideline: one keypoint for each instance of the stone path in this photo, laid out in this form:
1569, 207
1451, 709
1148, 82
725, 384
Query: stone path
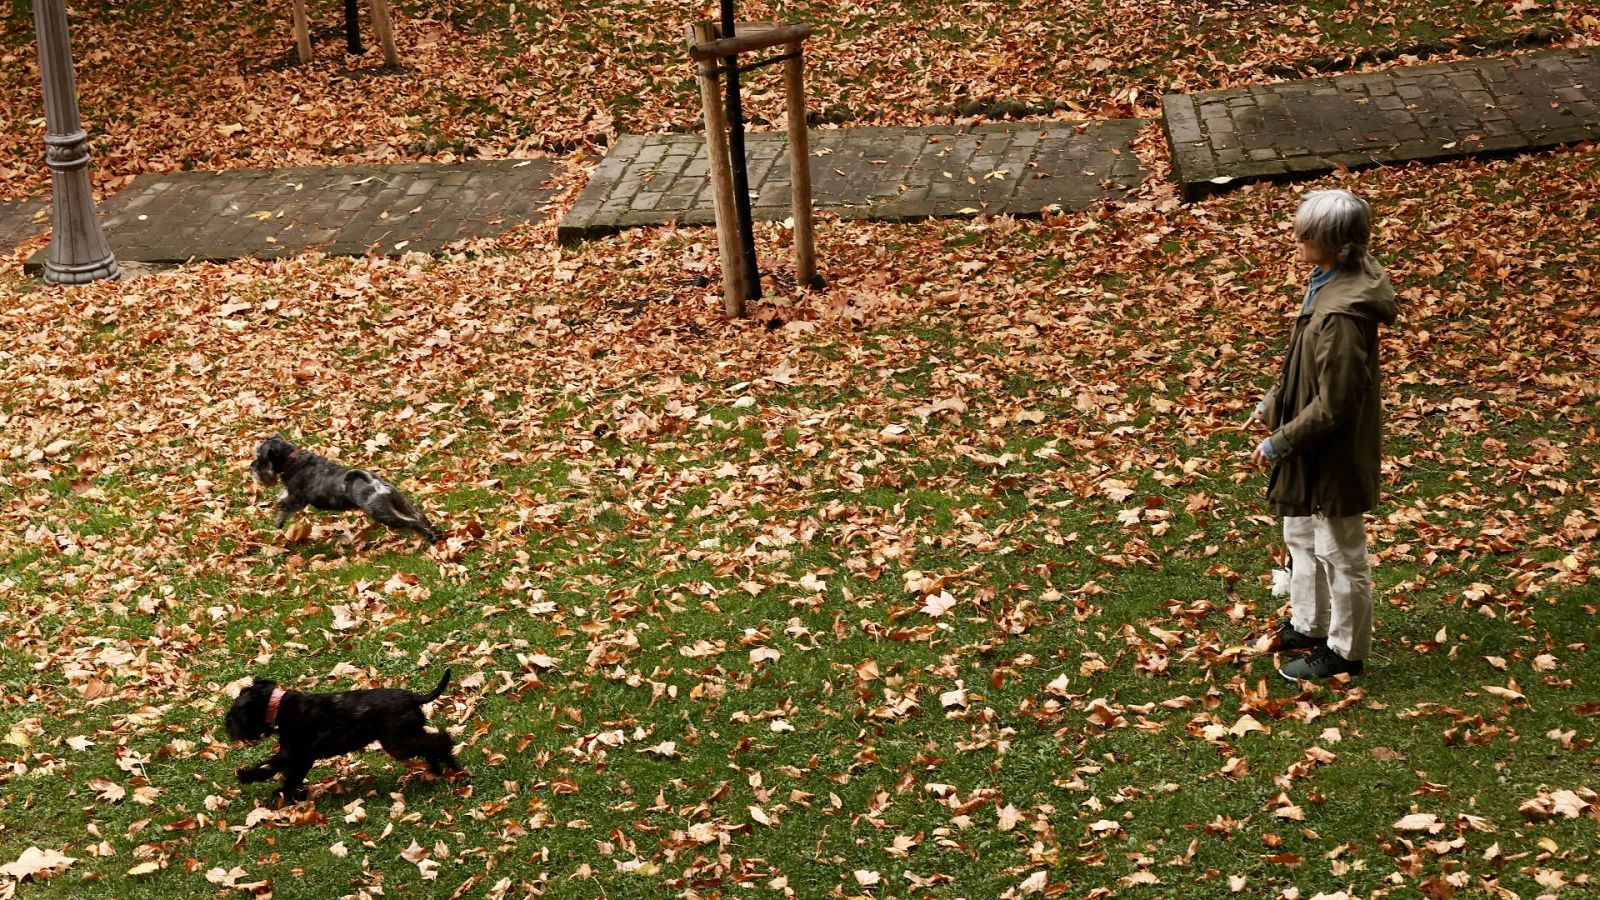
348, 210
1220, 138
20, 219
869, 173
1298, 129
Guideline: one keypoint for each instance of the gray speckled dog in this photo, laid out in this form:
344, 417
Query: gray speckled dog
310, 480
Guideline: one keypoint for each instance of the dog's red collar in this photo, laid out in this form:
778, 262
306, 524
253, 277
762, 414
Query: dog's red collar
272, 707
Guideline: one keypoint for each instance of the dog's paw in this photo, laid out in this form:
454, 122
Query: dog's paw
293, 795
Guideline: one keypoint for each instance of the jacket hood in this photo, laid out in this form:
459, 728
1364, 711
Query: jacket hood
1363, 291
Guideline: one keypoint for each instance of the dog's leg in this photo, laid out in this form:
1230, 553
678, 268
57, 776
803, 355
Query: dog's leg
254, 774
294, 778
440, 754
286, 507
419, 522
389, 507
432, 746
263, 771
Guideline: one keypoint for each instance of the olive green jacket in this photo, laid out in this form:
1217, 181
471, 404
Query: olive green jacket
1325, 408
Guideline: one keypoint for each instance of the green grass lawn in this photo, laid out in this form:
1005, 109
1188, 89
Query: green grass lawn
695, 594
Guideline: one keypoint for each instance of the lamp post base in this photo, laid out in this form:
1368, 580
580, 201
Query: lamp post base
82, 273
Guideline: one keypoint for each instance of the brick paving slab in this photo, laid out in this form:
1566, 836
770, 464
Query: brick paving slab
20, 219
1300, 129
345, 211
899, 174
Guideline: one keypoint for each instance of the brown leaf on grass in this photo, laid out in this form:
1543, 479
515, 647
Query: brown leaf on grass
1033, 884
1246, 724
1420, 822
1567, 804
37, 864
1103, 714
108, 790
1509, 692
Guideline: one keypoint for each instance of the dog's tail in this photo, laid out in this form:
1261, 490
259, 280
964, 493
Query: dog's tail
438, 691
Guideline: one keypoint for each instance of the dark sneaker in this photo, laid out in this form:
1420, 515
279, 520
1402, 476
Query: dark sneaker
1289, 639
1319, 666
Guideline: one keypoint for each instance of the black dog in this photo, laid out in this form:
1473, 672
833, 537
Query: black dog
310, 480
316, 726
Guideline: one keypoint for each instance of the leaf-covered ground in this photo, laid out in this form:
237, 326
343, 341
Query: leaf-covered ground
944, 582
207, 84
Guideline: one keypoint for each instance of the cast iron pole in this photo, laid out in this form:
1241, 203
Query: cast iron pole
741, 174
352, 27
78, 251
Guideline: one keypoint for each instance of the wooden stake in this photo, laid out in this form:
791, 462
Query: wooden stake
302, 31
805, 253
384, 26
721, 177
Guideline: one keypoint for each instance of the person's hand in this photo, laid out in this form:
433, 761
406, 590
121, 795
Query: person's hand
1257, 418
1259, 457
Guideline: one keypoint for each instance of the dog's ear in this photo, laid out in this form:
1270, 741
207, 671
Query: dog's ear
275, 448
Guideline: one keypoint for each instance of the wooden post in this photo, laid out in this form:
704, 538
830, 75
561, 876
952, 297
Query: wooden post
384, 26
805, 254
721, 177
302, 31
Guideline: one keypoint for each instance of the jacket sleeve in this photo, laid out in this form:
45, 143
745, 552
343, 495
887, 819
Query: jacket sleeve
1269, 406
1342, 382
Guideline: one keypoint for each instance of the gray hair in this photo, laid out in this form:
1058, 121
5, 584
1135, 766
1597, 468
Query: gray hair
1337, 222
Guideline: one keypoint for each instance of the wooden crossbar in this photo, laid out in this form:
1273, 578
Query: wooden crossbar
760, 37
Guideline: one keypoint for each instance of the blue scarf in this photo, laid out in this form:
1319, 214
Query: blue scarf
1319, 278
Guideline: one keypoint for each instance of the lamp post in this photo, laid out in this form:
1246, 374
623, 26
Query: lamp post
78, 251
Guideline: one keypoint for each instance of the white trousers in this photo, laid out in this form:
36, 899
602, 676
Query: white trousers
1330, 583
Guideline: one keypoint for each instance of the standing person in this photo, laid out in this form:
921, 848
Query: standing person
1324, 449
